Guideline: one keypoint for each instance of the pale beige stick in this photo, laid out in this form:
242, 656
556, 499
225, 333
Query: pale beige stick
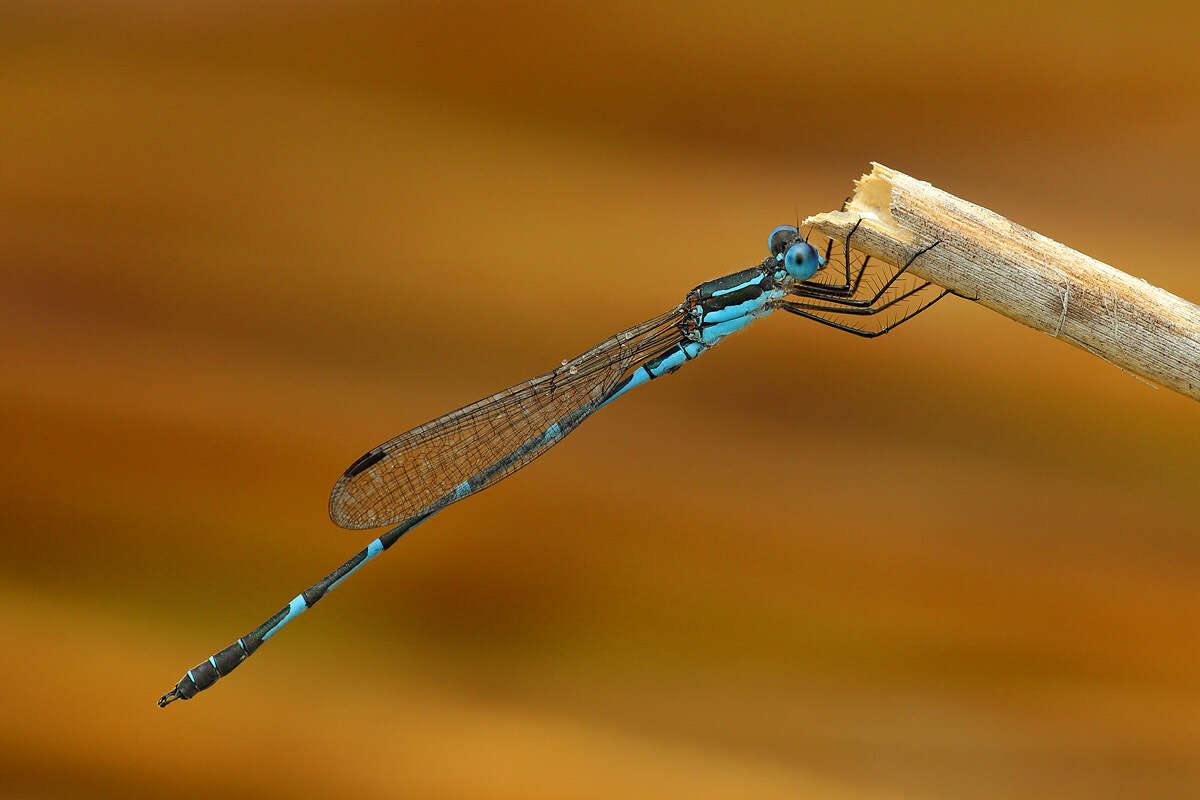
1025, 276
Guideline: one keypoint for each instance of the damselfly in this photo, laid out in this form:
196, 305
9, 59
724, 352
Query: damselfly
405, 480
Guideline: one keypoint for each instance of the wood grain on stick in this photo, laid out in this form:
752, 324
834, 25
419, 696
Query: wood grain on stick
1025, 276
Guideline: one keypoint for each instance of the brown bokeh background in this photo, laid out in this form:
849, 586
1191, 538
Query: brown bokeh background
241, 246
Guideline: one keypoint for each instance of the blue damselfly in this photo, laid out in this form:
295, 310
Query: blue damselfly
407, 479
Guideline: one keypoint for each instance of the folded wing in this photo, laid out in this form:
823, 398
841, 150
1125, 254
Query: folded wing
467, 450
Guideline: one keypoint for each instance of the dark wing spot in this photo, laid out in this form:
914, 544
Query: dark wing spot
373, 457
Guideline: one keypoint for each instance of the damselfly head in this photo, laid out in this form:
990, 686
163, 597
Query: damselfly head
801, 260
781, 239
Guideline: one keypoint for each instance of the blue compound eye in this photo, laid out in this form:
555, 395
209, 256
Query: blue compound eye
802, 261
780, 238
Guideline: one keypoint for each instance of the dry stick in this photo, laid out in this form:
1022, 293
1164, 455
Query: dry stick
1025, 276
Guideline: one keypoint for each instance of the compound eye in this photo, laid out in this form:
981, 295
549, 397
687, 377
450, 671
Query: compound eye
780, 238
801, 261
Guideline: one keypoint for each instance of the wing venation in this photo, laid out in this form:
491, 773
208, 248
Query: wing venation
474, 447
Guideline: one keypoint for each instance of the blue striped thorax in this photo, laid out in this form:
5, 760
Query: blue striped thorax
721, 306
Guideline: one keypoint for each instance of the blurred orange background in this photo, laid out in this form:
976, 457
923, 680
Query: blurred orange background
240, 246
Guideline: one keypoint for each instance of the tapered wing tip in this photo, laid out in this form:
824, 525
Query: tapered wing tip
338, 513
346, 510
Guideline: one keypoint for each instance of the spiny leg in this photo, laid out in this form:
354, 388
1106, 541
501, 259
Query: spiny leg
798, 310
867, 307
865, 302
860, 311
846, 288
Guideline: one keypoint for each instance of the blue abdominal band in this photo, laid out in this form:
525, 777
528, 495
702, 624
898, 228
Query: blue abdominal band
373, 549
675, 358
295, 609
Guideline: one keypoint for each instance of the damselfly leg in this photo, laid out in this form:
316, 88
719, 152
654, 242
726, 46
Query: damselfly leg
844, 295
866, 333
840, 305
847, 287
